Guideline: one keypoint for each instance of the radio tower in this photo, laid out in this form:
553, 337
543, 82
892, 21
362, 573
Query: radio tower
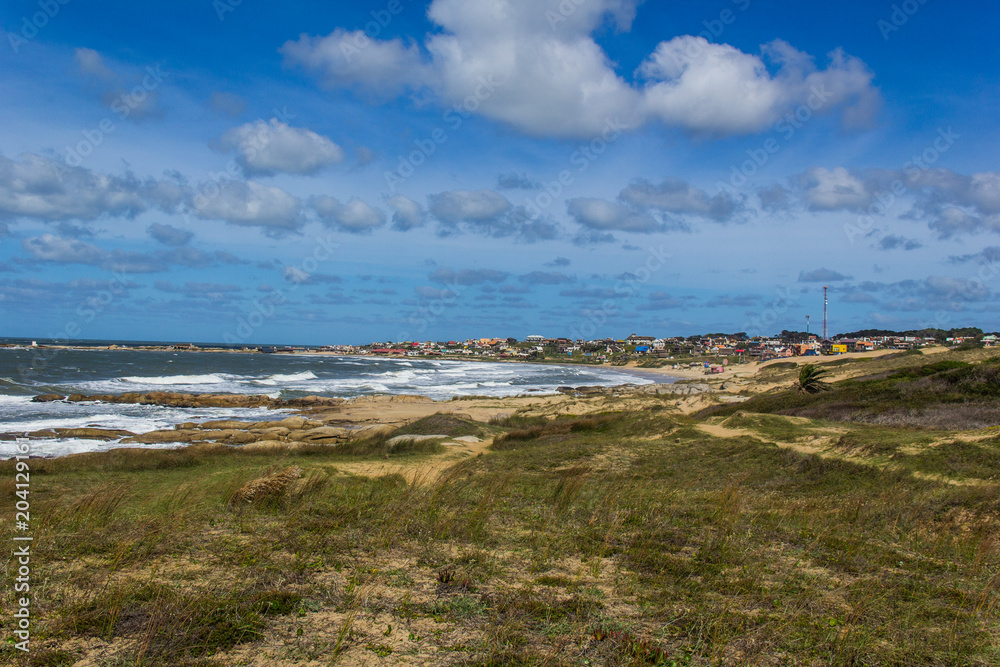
825, 287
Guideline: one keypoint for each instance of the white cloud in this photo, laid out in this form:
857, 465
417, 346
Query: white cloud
718, 89
675, 196
355, 216
267, 147
38, 187
249, 204
92, 64
604, 215
407, 215
825, 190
169, 235
51, 248
350, 59
457, 206
534, 64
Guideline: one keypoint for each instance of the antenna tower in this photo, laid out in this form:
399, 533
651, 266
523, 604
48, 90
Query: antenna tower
825, 336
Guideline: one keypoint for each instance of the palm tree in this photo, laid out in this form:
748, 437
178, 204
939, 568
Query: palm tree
811, 379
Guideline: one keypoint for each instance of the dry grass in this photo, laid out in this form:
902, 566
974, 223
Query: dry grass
631, 537
266, 488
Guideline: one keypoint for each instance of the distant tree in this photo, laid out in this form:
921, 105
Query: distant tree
811, 379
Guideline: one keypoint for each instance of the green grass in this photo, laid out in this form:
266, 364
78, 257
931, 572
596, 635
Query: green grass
622, 538
951, 393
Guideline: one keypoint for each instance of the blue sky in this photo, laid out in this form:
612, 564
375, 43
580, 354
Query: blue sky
314, 173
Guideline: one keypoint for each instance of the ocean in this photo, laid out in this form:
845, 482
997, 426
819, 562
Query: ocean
28, 372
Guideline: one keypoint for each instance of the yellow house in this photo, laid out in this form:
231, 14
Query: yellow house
837, 348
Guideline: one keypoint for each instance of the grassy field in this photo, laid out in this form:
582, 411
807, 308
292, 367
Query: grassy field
635, 536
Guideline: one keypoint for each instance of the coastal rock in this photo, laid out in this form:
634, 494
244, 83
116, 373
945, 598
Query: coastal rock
93, 433
272, 433
295, 423
314, 402
179, 400
47, 398
322, 435
230, 436
224, 424
161, 437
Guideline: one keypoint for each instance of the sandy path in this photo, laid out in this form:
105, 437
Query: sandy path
426, 470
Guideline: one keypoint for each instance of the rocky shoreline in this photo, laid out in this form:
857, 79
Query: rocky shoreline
320, 420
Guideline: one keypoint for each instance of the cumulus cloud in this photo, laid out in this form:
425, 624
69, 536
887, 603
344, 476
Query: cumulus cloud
476, 207
601, 215
718, 89
517, 181
537, 67
896, 242
43, 189
822, 276
250, 204
169, 235
51, 248
407, 214
269, 147
350, 59
490, 213
675, 196
37, 187
951, 204
988, 255
355, 217
834, 190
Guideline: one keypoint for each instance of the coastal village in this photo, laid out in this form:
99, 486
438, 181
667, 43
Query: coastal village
653, 349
